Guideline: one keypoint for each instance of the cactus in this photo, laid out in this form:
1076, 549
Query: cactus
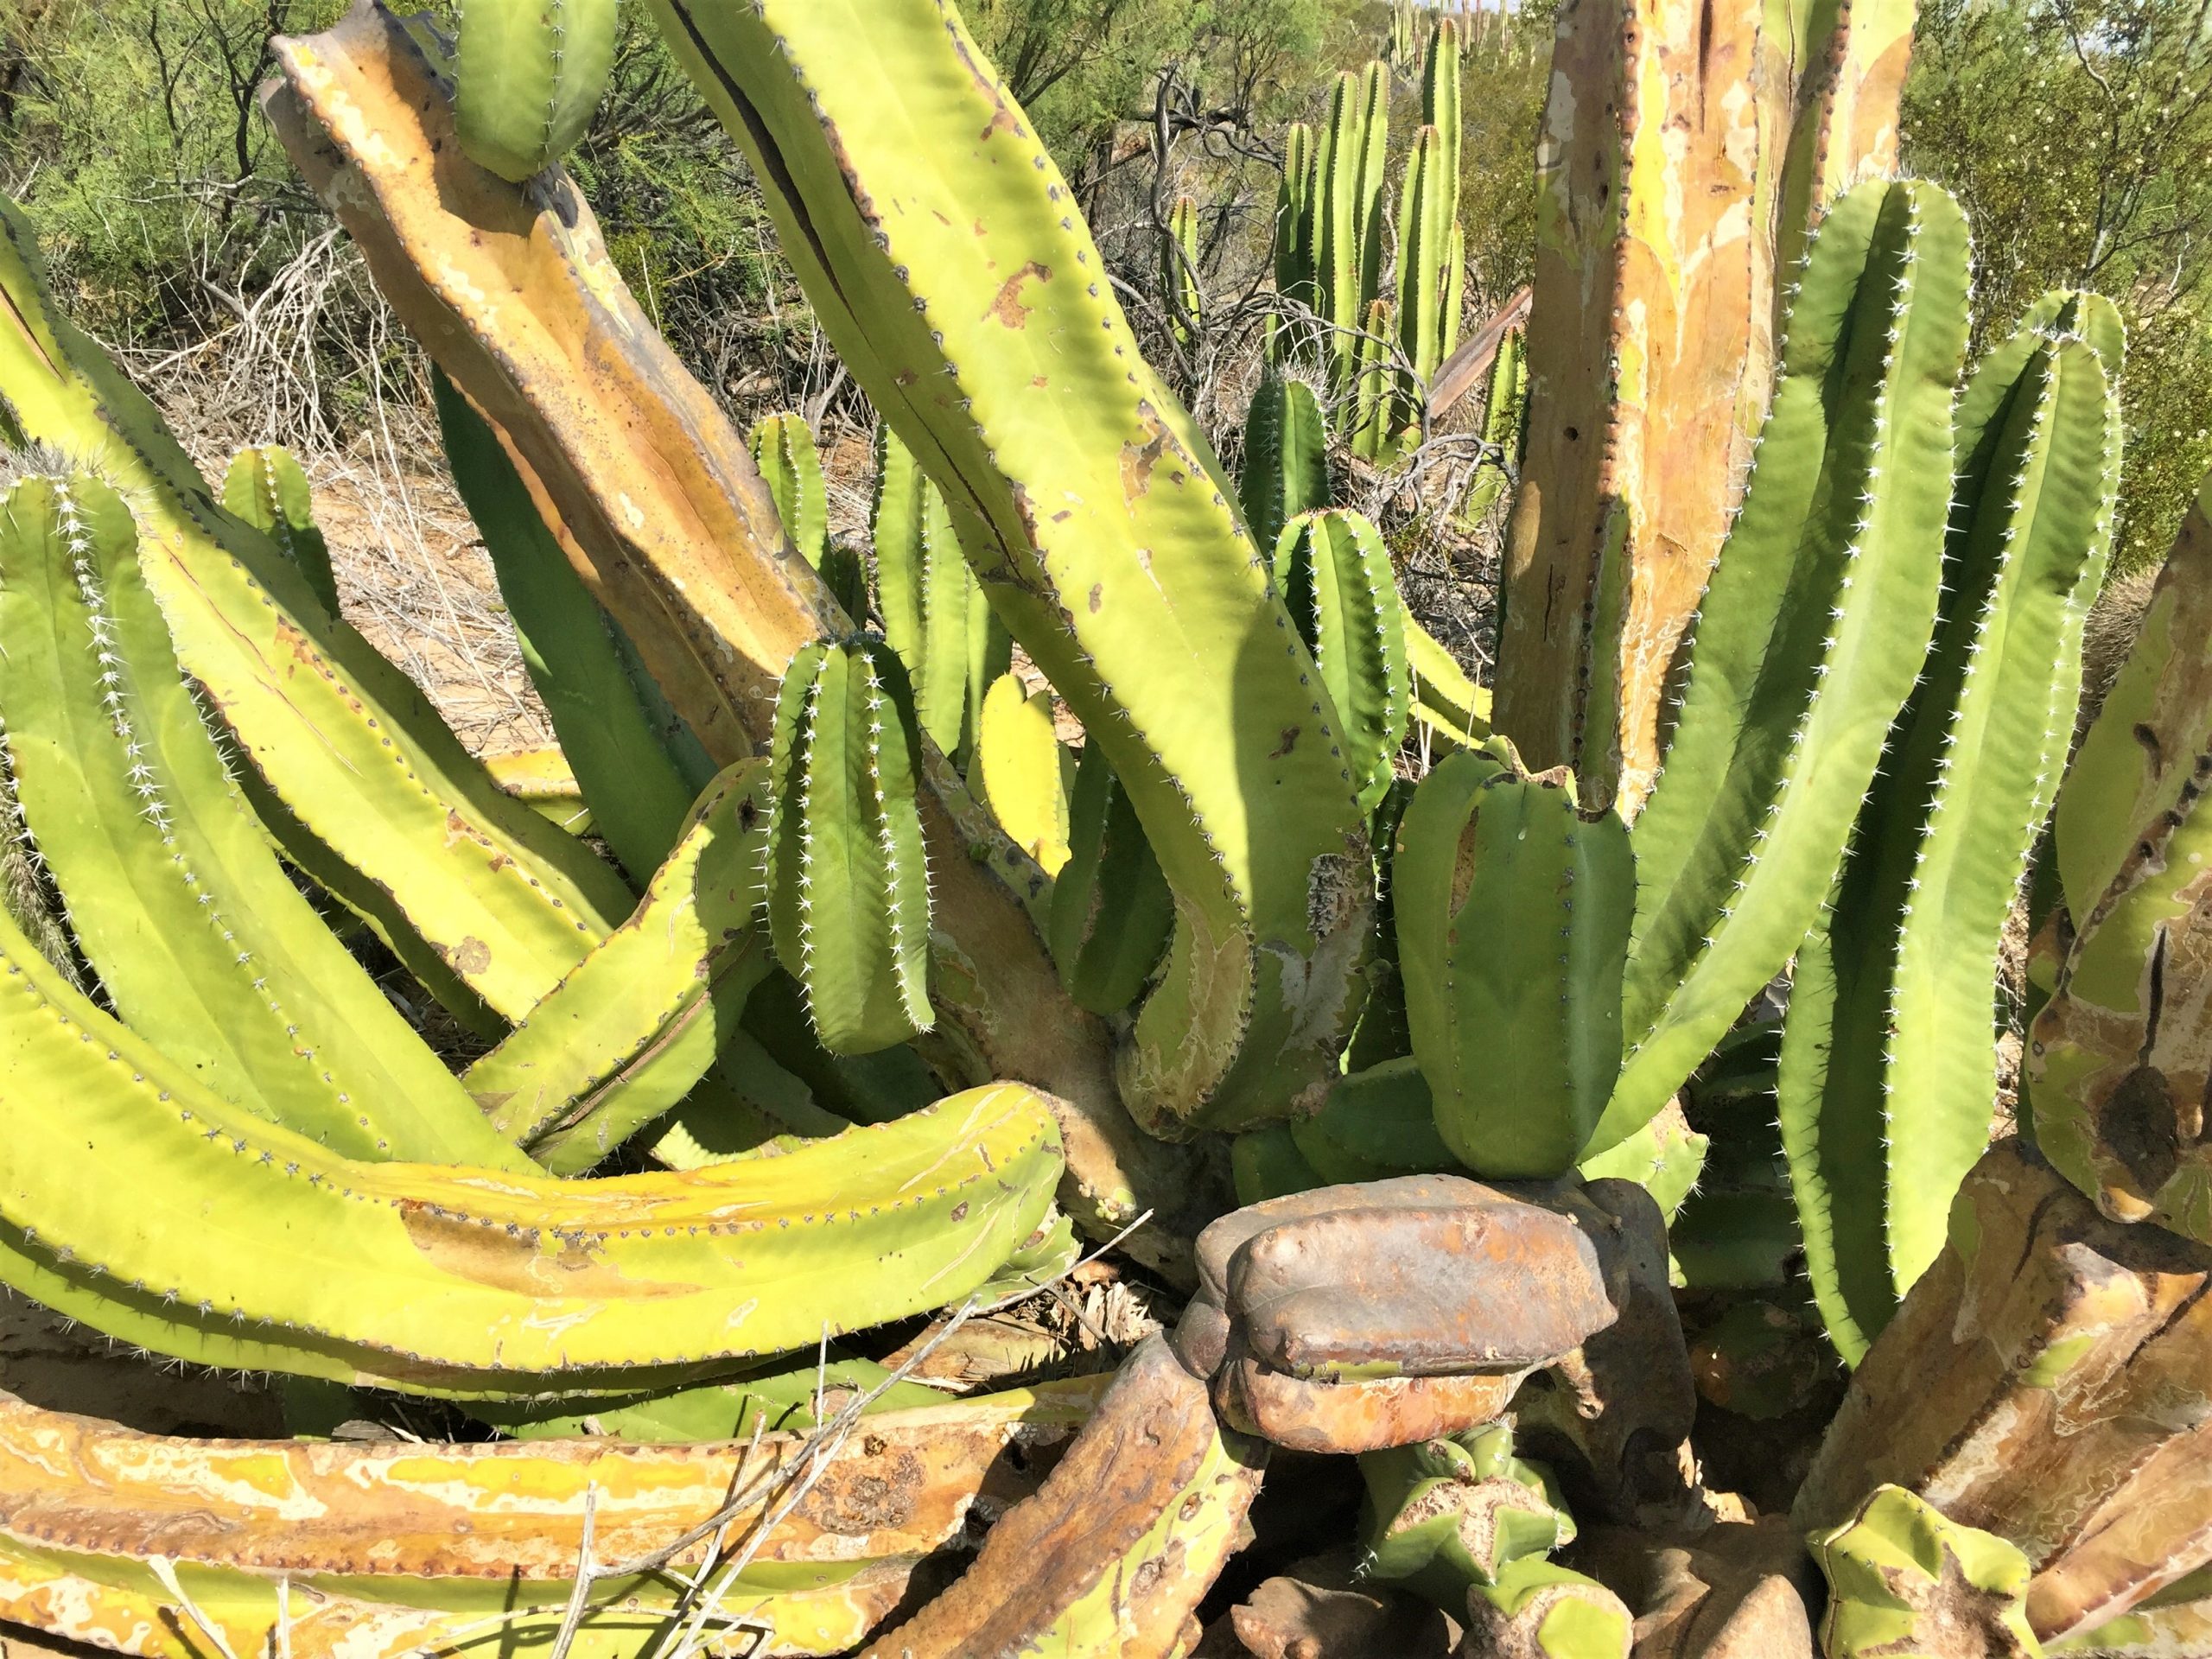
266, 488
1022, 768
783, 448
1375, 388
1905, 1580
1285, 458
626, 1034
1888, 1067
1335, 578
635, 787
1347, 205
530, 73
1537, 1606
1523, 1048
849, 888
1378, 1122
1505, 426
1449, 1515
201, 941
1741, 837
1013, 376
1178, 270
1112, 911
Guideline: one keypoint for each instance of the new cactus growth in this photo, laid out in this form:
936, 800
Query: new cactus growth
1889, 1067
266, 488
1513, 911
1905, 1580
784, 449
1335, 578
1539, 1607
849, 886
1810, 637
530, 76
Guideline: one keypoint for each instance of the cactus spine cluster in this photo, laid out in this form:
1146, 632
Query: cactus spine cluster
530, 77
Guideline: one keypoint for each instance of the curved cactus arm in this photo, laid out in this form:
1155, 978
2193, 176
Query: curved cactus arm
1810, 637
348, 746
1112, 911
1285, 457
529, 73
164, 1200
2120, 780
638, 794
266, 488
847, 885
626, 1034
1447, 703
1513, 912
784, 449
201, 940
1335, 578
1904, 1058
1023, 771
1096, 520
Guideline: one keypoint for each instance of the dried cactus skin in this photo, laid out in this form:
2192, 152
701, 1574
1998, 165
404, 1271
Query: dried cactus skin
1788, 706
638, 1021
1889, 1068
265, 487
1521, 1046
638, 793
1906, 1581
202, 942
1335, 578
1285, 457
398, 1549
175, 1213
849, 897
1259, 983
347, 746
530, 75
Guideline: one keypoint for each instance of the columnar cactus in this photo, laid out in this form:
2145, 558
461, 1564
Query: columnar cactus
530, 75
1178, 269
1285, 457
266, 488
849, 886
784, 449
1335, 578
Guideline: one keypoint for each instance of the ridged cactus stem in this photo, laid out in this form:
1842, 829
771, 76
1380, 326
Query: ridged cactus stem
1179, 270
530, 74
784, 449
1285, 457
1335, 578
934, 614
266, 487
1888, 1067
1348, 211
1093, 512
1427, 205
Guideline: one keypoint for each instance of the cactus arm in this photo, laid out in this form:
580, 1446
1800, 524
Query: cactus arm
1520, 1046
1426, 202
345, 742
1336, 577
201, 940
1375, 1123
265, 487
1018, 759
1055, 489
154, 1191
1788, 706
1179, 270
929, 596
1446, 702
1112, 911
638, 797
784, 449
625, 1035
530, 73
2118, 782
1285, 458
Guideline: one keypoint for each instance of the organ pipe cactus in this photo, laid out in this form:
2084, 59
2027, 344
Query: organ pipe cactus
1112, 911
1178, 269
784, 449
1286, 470
1335, 578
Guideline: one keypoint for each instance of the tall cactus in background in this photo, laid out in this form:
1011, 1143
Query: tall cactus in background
849, 886
1432, 242
1888, 1067
1347, 206
1179, 270
1505, 425
530, 74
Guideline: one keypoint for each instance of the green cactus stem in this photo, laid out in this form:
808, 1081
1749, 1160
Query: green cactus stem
636, 788
1378, 1122
1537, 1606
1335, 578
1285, 457
1447, 1515
626, 1034
1813, 628
266, 488
1513, 913
784, 449
1505, 426
1906, 1581
1347, 237
848, 890
201, 940
529, 73
1094, 513
1428, 274
1888, 1067
1178, 270
1375, 388
1112, 911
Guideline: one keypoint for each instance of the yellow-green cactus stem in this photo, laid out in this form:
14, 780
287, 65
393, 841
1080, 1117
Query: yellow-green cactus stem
1906, 1582
1335, 578
1178, 270
1024, 770
529, 76
265, 487
784, 449
1445, 1516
